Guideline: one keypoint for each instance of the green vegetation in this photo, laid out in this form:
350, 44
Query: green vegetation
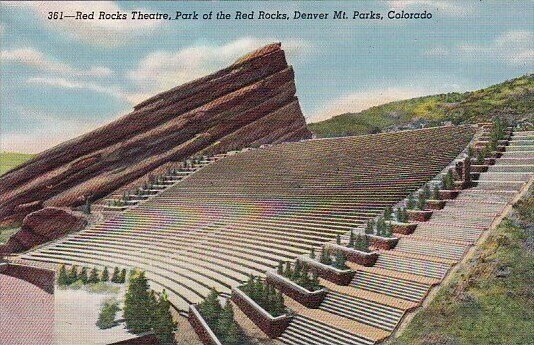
76, 278
265, 295
447, 181
106, 318
511, 99
382, 228
361, 243
221, 320
9, 160
402, 215
138, 304
7, 232
490, 298
299, 274
146, 311
163, 324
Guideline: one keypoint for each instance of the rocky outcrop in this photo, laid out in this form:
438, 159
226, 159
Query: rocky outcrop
251, 102
42, 226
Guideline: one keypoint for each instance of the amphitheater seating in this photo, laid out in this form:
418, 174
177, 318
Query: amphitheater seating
244, 213
422, 259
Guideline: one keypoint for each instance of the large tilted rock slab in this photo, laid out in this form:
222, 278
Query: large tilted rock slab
42, 226
251, 102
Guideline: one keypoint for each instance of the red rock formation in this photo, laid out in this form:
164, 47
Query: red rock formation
42, 226
251, 102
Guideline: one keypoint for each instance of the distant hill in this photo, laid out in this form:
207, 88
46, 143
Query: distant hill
9, 160
513, 99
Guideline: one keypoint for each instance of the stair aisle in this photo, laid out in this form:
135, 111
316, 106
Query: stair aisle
407, 271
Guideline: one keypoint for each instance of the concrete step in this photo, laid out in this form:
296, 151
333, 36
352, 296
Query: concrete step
524, 168
429, 248
305, 331
413, 266
487, 184
391, 286
364, 311
505, 176
513, 147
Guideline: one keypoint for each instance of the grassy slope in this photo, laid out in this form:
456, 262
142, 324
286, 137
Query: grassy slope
9, 160
515, 98
477, 307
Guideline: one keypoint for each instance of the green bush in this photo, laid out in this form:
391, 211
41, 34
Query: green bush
300, 275
63, 279
106, 318
435, 193
361, 243
162, 322
370, 228
265, 295
138, 304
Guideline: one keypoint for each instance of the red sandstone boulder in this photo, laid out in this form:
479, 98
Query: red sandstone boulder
251, 102
42, 226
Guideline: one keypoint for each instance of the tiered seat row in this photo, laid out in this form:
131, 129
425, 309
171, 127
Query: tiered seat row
422, 259
243, 214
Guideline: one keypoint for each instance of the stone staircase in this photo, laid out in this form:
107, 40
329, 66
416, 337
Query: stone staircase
306, 331
421, 260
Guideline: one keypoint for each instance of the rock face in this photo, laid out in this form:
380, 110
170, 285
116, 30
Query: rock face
249, 103
42, 226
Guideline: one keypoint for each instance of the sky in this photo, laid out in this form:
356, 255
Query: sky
60, 79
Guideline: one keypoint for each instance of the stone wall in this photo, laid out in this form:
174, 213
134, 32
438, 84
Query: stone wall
272, 326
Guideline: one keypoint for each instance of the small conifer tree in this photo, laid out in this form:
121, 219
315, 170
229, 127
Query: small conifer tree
106, 318
63, 279
280, 269
288, 272
480, 157
370, 227
138, 304
338, 239
83, 275
93, 277
426, 192
73, 274
340, 260
435, 193
398, 214
410, 203
387, 213
115, 277
162, 322
421, 202
312, 254
122, 279
105, 275
351, 239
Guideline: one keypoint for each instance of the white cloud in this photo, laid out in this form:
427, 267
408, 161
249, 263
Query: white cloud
76, 84
450, 8
437, 51
50, 130
513, 47
361, 100
97, 32
35, 59
161, 70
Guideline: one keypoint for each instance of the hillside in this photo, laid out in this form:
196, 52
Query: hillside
9, 160
513, 99
489, 300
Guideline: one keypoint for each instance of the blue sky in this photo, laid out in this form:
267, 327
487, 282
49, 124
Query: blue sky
62, 78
